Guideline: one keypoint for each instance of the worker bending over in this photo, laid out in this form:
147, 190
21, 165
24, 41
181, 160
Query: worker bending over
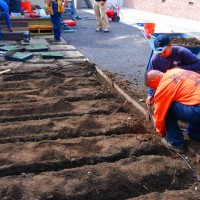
100, 7
167, 56
177, 97
4, 6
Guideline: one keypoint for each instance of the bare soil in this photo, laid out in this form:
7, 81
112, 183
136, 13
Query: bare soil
65, 135
185, 41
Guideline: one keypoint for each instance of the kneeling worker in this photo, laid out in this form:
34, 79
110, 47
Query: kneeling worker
177, 97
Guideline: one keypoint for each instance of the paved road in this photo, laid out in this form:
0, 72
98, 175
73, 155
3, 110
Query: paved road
124, 50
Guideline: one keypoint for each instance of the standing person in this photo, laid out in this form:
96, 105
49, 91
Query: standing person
177, 97
167, 56
101, 16
54, 8
4, 6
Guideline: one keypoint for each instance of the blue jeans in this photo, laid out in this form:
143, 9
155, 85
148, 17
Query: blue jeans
190, 114
56, 21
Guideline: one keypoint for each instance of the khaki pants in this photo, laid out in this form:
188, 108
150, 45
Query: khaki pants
100, 13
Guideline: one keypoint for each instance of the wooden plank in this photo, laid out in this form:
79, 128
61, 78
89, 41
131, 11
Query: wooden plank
16, 23
5, 71
40, 27
16, 26
5, 29
16, 36
121, 92
39, 22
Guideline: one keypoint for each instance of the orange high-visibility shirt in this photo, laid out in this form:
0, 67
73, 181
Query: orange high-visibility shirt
176, 85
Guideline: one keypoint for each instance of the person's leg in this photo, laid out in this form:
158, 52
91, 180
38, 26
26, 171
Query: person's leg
53, 23
56, 21
58, 27
190, 114
174, 134
104, 16
193, 131
193, 128
97, 14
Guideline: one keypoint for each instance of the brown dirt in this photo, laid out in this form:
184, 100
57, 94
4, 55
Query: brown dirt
185, 41
65, 135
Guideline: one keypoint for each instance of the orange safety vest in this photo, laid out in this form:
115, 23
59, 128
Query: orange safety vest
176, 85
49, 9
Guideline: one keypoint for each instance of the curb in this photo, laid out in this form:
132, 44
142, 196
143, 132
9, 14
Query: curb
121, 92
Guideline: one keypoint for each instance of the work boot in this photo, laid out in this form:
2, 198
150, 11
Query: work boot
177, 149
106, 30
98, 29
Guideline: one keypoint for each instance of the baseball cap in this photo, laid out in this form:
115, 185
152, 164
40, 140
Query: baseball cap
161, 42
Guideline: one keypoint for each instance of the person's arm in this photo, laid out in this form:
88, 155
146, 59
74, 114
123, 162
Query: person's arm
162, 101
190, 61
5, 9
150, 91
150, 94
8, 22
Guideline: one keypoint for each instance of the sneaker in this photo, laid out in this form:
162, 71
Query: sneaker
98, 29
106, 30
172, 147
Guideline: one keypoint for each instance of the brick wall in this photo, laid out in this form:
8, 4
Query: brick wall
179, 8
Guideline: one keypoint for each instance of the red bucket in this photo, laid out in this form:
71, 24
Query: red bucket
26, 6
149, 28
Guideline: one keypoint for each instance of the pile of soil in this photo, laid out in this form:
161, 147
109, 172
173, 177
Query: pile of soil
193, 42
65, 135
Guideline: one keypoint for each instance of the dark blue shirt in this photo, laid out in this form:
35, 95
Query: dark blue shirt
181, 57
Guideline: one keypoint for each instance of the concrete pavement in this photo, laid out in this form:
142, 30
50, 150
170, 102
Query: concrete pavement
164, 23
124, 50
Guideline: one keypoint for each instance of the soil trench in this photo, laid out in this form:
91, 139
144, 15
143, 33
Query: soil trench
65, 135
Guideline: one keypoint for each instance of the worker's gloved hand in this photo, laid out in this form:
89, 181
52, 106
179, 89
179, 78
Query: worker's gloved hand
102, 3
149, 101
10, 30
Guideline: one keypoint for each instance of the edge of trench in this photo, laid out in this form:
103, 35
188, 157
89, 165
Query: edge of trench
121, 92
191, 148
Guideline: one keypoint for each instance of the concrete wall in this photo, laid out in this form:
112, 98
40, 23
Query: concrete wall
179, 8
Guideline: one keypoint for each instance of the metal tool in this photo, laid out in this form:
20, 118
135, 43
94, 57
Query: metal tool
149, 112
190, 166
150, 117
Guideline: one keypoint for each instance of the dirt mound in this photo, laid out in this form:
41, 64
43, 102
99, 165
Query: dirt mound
65, 135
53, 91
185, 41
59, 106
